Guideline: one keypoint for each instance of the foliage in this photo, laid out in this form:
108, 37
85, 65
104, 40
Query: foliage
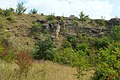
24, 62
76, 59
20, 8
115, 33
44, 50
70, 38
36, 29
81, 63
33, 11
51, 17
1, 11
101, 42
83, 47
8, 12
101, 22
66, 44
65, 56
108, 64
83, 17
7, 55
6, 52
1, 24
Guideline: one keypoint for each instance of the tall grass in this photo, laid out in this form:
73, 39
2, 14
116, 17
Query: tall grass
40, 70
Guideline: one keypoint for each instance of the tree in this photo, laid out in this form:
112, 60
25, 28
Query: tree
20, 8
115, 33
44, 50
83, 17
108, 66
33, 11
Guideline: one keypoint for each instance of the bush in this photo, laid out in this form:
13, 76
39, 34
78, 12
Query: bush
76, 59
66, 44
108, 67
24, 61
115, 33
1, 11
83, 17
83, 47
101, 42
65, 56
51, 17
20, 8
81, 63
44, 50
70, 38
101, 22
1, 24
6, 51
7, 12
36, 28
33, 11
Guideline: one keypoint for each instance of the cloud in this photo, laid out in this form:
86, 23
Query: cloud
8, 3
93, 8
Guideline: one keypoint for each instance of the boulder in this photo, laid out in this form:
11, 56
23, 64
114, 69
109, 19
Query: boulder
114, 22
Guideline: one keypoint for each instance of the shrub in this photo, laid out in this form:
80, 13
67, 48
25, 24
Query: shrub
70, 38
36, 28
33, 11
7, 55
1, 11
7, 12
1, 24
24, 62
83, 47
83, 17
6, 52
81, 63
66, 44
51, 17
44, 50
115, 33
101, 22
76, 59
20, 8
101, 42
108, 67
65, 56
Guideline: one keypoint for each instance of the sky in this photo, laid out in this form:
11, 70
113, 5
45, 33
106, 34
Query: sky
94, 8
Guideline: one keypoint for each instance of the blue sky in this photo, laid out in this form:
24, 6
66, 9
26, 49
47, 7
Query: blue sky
94, 8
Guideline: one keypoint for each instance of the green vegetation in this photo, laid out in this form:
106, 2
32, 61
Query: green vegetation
20, 8
108, 64
83, 17
29, 49
33, 11
44, 50
115, 33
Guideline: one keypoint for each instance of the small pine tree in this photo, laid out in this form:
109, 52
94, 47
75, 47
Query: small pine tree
33, 11
20, 8
83, 17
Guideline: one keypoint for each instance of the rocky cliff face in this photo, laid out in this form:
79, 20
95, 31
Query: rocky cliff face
24, 32
73, 26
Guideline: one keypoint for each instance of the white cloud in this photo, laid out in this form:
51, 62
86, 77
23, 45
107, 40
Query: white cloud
8, 3
94, 8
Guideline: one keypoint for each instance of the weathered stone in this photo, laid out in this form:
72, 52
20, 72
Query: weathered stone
114, 22
40, 21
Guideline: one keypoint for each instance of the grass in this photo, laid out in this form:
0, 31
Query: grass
41, 70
